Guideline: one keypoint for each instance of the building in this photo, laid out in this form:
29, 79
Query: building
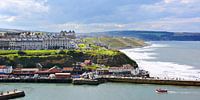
68, 69
25, 71
62, 75
70, 34
47, 72
102, 71
5, 69
125, 69
37, 41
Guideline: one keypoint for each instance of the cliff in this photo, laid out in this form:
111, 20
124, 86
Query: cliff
65, 58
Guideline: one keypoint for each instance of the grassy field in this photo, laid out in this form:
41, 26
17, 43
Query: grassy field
43, 53
115, 42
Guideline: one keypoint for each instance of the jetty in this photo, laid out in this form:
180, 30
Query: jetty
151, 81
11, 95
82, 81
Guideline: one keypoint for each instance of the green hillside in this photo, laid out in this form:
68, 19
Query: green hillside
63, 58
115, 42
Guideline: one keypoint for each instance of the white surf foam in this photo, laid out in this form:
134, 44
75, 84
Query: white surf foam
159, 68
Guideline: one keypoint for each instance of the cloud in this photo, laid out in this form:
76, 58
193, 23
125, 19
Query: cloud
165, 24
174, 7
180, 1
21, 9
24, 6
101, 15
81, 27
7, 18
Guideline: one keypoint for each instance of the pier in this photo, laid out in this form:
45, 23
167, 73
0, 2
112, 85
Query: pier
151, 81
100, 80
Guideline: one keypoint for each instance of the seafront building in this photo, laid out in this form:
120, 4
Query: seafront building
6, 69
125, 70
38, 41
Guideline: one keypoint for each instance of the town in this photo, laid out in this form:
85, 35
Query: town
61, 41
77, 71
63, 58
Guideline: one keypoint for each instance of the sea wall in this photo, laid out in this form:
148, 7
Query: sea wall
155, 81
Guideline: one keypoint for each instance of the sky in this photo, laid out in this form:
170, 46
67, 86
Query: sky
101, 15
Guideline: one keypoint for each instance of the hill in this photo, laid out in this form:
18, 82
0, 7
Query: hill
115, 42
152, 35
63, 58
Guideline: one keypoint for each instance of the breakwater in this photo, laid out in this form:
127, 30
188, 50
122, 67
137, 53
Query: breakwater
153, 81
102, 80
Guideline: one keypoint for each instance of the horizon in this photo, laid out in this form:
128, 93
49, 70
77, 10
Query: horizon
97, 31
101, 16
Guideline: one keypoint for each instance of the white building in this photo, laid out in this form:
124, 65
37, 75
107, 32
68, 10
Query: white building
36, 42
6, 69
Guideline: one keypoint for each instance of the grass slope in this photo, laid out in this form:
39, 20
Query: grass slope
115, 42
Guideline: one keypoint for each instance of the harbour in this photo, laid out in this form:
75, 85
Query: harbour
102, 80
106, 91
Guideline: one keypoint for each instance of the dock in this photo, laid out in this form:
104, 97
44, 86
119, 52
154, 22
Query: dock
11, 95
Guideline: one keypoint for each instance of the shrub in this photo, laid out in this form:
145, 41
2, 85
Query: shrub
61, 52
21, 53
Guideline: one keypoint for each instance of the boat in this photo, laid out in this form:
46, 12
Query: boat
161, 90
81, 81
11, 94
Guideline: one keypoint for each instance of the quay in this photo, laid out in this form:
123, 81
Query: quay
11, 95
67, 80
152, 81
99, 80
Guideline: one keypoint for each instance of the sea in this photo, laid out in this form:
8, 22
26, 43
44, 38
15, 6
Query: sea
171, 59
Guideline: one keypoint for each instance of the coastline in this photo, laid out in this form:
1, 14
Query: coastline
146, 57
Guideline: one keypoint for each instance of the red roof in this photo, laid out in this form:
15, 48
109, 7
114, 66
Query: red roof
2, 66
88, 62
68, 69
49, 71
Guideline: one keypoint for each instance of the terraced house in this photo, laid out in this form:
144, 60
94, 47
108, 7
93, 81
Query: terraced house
37, 41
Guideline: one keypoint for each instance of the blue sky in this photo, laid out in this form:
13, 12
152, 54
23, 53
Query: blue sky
101, 15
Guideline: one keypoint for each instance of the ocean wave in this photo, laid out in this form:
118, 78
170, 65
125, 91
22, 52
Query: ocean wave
169, 69
156, 46
139, 55
159, 68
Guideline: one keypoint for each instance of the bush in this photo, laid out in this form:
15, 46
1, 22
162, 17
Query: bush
61, 52
21, 53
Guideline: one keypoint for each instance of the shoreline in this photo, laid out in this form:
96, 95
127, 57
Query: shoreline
146, 58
